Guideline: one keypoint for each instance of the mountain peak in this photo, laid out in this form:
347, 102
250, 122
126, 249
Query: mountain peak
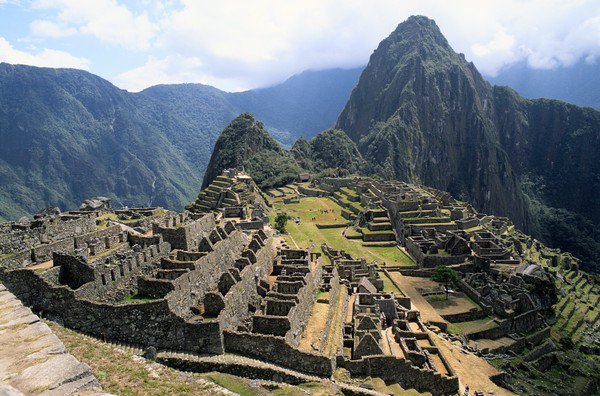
420, 22
245, 142
418, 31
405, 110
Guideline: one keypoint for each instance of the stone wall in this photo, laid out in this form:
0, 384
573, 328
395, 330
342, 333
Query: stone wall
310, 192
186, 236
306, 298
147, 324
189, 289
244, 292
275, 350
468, 316
431, 260
57, 235
250, 225
44, 252
69, 227
114, 281
475, 296
82, 240
17, 259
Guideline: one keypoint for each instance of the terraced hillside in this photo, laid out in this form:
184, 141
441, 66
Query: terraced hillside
566, 359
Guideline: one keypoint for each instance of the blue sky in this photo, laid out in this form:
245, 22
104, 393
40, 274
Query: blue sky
243, 44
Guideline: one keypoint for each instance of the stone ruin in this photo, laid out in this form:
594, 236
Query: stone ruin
214, 279
352, 271
233, 195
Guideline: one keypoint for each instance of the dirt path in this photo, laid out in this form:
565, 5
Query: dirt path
470, 369
394, 347
312, 338
336, 326
349, 311
42, 266
428, 313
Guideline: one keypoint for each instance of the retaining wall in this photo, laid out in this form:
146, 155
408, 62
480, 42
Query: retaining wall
149, 323
401, 371
275, 350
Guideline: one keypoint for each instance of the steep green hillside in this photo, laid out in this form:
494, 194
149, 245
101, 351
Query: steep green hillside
329, 149
246, 143
422, 113
67, 135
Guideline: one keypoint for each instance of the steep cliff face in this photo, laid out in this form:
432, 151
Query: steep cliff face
422, 113
556, 143
554, 147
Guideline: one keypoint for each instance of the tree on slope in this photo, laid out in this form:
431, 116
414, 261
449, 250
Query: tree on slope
445, 275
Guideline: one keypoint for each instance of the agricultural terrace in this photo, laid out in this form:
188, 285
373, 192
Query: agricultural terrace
313, 211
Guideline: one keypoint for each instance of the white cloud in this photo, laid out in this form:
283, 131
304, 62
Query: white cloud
44, 58
106, 20
50, 29
501, 46
173, 69
263, 41
245, 44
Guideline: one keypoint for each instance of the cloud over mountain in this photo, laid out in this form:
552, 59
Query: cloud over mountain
240, 44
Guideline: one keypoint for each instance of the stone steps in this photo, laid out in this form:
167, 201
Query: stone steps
380, 226
381, 219
33, 360
221, 183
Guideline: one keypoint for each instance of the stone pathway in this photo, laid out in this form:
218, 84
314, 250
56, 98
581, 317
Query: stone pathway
33, 360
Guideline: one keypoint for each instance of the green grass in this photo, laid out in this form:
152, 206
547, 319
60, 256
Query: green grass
136, 298
472, 326
349, 192
306, 233
120, 374
232, 383
388, 286
322, 295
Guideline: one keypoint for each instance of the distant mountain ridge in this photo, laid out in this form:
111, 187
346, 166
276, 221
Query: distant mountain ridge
577, 84
67, 134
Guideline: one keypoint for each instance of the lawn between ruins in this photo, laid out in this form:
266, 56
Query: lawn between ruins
343, 301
